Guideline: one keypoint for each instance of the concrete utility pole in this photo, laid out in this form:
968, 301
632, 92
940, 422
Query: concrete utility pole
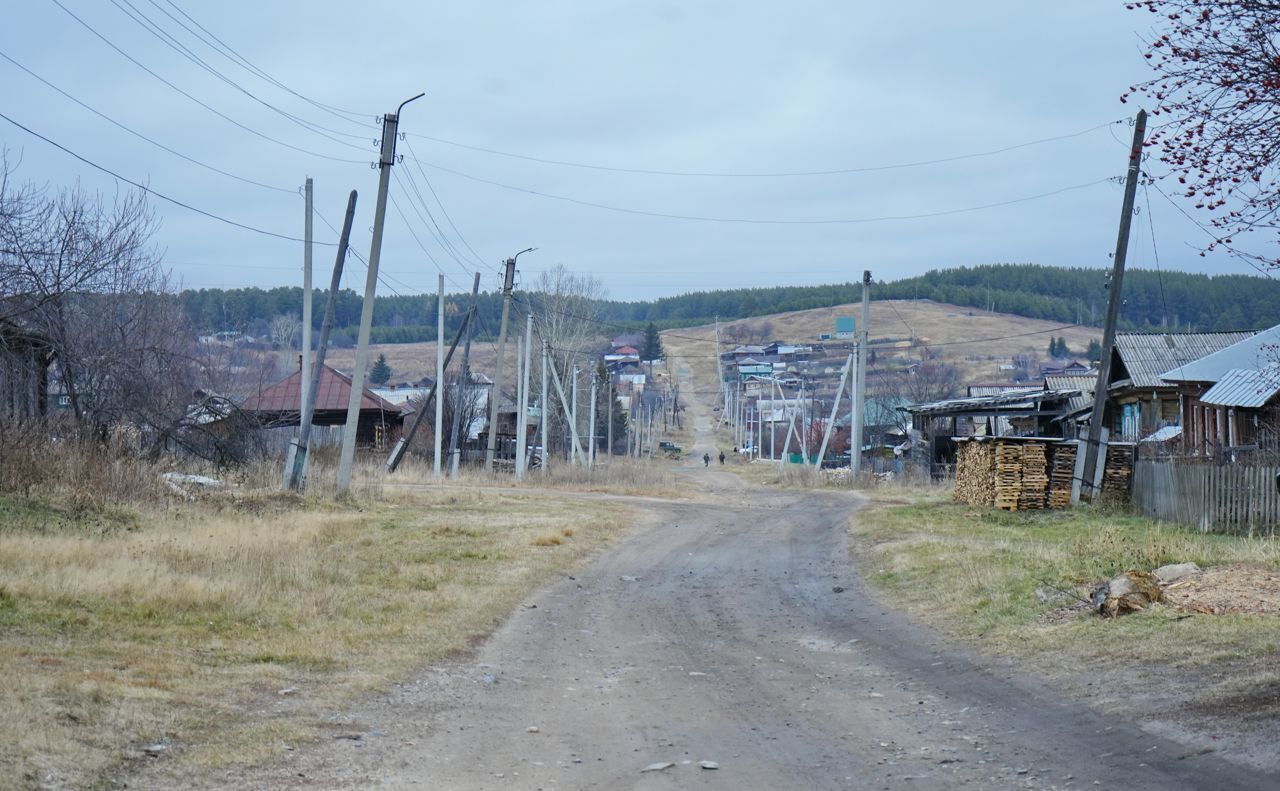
522, 419
439, 424
390, 123
860, 382
306, 290
296, 474
1094, 449
573, 418
591, 452
464, 379
544, 416
609, 431
508, 282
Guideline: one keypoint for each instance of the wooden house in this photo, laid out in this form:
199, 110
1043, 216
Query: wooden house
1139, 399
279, 405
1229, 398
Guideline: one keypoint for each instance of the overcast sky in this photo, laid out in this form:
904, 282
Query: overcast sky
709, 87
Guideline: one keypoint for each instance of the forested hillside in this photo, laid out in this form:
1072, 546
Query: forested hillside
1177, 300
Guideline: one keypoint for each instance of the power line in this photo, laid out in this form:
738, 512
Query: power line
440, 203
221, 115
802, 173
1151, 223
1217, 240
761, 221
244, 63
141, 136
148, 24
150, 191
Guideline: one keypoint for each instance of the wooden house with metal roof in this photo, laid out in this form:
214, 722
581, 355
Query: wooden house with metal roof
1139, 399
279, 405
1231, 398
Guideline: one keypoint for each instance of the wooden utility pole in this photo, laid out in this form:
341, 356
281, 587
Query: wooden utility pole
439, 424
1094, 448
296, 475
508, 282
464, 379
860, 381
390, 124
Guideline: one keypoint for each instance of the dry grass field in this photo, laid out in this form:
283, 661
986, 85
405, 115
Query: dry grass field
223, 629
973, 340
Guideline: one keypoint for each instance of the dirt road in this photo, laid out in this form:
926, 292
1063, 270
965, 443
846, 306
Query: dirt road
732, 631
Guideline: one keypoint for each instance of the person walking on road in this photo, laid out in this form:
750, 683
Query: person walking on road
722, 457
706, 460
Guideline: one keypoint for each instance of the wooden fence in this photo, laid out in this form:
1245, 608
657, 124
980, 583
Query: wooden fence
1219, 498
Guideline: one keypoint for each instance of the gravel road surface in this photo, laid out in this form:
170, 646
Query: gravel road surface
733, 633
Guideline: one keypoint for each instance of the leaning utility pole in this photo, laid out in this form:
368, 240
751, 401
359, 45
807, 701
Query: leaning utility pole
402, 446
295, 475
390, 123
508, 282
860, 382
1093, 450
464, 379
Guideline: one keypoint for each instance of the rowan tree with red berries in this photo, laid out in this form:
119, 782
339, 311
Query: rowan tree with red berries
1217, 87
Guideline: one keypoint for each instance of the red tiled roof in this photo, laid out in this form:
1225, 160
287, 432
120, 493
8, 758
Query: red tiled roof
626, 350
334, 394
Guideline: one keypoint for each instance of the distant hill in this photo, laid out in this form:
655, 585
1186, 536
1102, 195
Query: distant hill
1178, 300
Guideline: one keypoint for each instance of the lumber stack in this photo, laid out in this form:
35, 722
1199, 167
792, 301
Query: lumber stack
1117, 472
1008, 475
1035, 478
1062, 468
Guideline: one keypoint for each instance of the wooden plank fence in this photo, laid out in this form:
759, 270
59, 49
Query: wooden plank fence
1228, 498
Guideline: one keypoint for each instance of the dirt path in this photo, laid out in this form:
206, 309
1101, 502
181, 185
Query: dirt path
733, 632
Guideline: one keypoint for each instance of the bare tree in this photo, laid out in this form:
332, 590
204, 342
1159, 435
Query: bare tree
566, 310
80, 271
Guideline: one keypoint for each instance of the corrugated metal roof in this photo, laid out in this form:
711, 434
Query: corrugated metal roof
1026, 399
1148, 355
1249, 388
333, 394
1254, 352
997, 389
1085, 383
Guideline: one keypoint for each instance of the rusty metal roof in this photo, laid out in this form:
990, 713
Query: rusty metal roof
1249, 388
1146, 355
333, 394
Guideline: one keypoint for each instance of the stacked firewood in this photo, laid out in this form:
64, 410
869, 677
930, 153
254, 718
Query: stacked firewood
1035, 479
1008, 475
1062, 468
975, 473
1117, 473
